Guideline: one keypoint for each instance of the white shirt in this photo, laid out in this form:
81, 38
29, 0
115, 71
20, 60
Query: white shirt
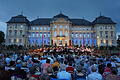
64, 75
94, 76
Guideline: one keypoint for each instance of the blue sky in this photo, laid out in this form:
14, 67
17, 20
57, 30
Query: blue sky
89, 9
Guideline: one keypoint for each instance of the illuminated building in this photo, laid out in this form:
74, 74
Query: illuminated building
61, 30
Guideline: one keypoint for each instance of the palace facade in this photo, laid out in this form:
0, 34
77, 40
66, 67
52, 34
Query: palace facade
61, 30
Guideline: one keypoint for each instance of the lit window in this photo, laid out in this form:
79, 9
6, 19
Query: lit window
33, 28
21, 26
66, 33
45, 28
55, 26
33, 34
66, 27
80, 35
72, 34
37, 28
37, 34
76, 35
60, 33
60, 26
40, 34
41, 28
17, 40
55, 33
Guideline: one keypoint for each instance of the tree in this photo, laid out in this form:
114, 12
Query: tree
118, 41
2, 37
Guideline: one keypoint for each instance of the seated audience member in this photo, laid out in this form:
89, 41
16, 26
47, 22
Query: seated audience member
70, 68
94, 75
45, 66
107, 70
113, 75
63, 74
4, 75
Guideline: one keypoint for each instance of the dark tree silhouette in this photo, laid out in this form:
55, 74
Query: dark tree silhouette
2, 39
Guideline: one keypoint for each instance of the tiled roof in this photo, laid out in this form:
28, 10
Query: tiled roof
41, 21
18, 19
103, 20
80, 22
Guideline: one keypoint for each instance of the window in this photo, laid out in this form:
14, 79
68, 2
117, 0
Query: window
112, 41
21, 32
66, 27
33, 34
15, 32
66, 34
45, 35
10, 32
76, 35
45, 28
41, 28
15, 40
107, 42
106, 32
60, 33
111, 27
55, 26
15, 26
40, 34
10, 27
21, 26
111, 33
106, 36
37, 34
101, 27
33, 28
60, 26
20, 40
80, 35
9, 40
101, 33
55, 33
37, 28
105, 27
72, 34
48, 34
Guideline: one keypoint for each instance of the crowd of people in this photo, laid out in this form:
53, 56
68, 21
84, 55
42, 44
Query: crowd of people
62, 63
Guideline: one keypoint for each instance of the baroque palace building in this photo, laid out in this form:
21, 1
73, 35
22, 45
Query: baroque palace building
61, 31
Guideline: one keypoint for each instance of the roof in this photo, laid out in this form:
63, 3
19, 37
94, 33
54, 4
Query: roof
80, 22
41, 21
61, 16
103, 20
18, 19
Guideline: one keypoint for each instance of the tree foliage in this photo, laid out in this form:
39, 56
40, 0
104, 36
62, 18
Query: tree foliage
2, 37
